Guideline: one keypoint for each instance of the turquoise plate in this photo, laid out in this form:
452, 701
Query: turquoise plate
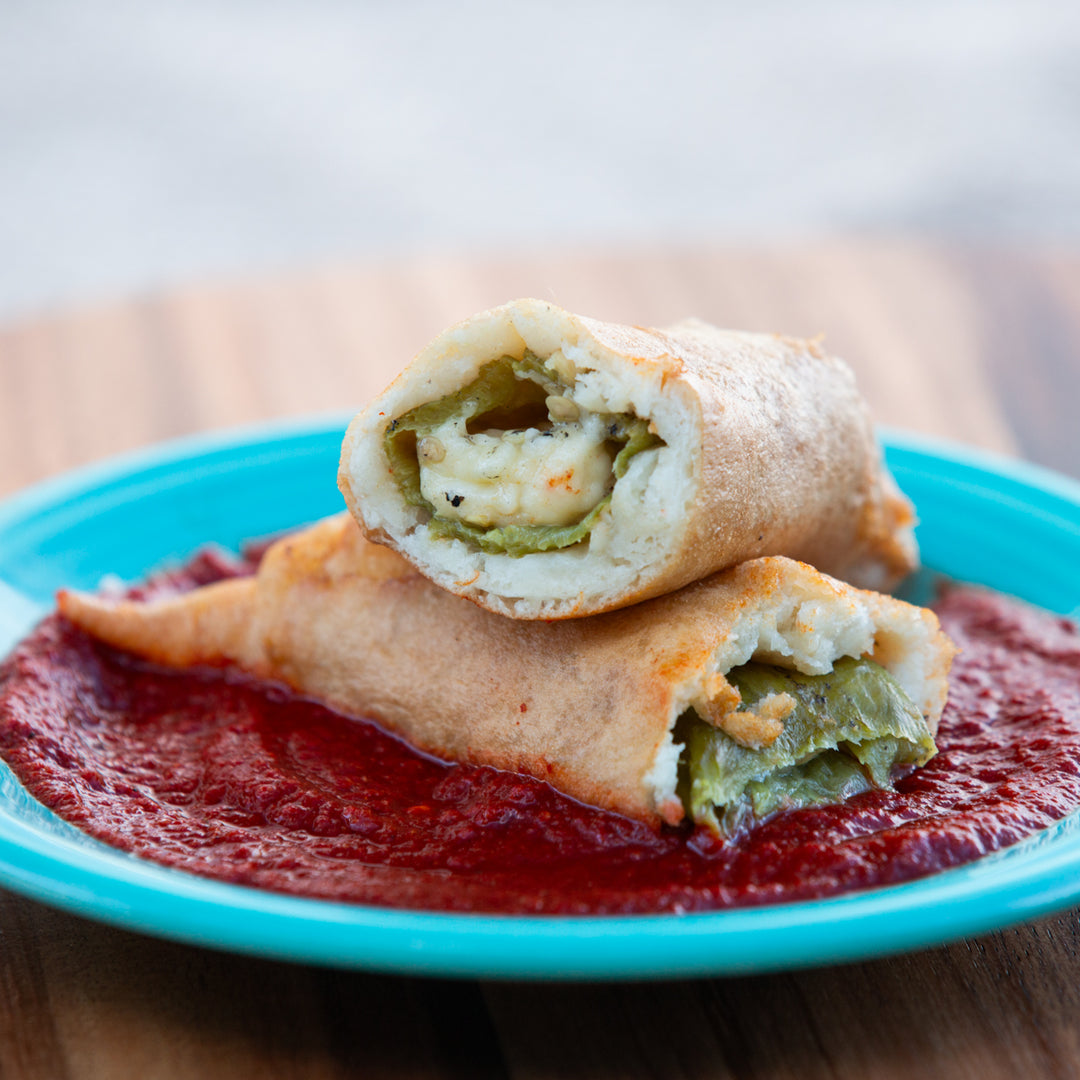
984, 519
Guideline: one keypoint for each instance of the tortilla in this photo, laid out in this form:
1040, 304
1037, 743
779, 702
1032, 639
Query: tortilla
546, 465
589, 705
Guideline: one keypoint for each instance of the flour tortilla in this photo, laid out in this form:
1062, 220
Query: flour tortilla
768, 450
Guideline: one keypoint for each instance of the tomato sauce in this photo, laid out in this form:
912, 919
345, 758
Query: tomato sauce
249, 783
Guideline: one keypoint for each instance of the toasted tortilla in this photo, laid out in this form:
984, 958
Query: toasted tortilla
760, 445
589, 705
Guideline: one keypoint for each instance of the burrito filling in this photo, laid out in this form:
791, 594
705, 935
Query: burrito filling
798, 740
511, 463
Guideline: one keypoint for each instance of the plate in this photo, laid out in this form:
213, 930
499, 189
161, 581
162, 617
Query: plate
985, 519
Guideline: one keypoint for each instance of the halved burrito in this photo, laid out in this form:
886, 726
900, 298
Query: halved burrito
767, 686
546, 465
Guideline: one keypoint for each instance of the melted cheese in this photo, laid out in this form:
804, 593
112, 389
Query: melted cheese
526, 477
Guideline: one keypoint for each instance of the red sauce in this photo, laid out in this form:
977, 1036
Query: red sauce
249, 783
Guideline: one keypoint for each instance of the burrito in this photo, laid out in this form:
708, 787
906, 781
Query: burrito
546, 465
767, 686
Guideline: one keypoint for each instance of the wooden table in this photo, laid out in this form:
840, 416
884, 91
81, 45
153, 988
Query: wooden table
978, 346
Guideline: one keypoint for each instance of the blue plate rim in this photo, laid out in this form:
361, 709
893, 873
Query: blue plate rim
1024, 882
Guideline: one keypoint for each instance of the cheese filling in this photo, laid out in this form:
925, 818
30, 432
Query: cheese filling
523, 477
512, 463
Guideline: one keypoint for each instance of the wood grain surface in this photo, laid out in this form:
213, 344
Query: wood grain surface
978, 346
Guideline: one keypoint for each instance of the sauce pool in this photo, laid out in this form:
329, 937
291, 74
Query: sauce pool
249, 783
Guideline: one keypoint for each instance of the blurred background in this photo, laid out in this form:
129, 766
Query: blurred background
146, 144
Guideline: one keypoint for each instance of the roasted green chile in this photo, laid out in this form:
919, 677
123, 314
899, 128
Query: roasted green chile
850, 731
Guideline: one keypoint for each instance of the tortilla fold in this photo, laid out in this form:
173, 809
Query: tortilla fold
644, 460
587, 705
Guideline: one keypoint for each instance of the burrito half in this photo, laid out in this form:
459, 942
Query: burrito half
546, 465
767, 686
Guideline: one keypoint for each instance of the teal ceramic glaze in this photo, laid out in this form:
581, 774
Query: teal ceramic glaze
984, 519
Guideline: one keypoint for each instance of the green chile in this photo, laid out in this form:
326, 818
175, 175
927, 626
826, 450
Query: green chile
850, 729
